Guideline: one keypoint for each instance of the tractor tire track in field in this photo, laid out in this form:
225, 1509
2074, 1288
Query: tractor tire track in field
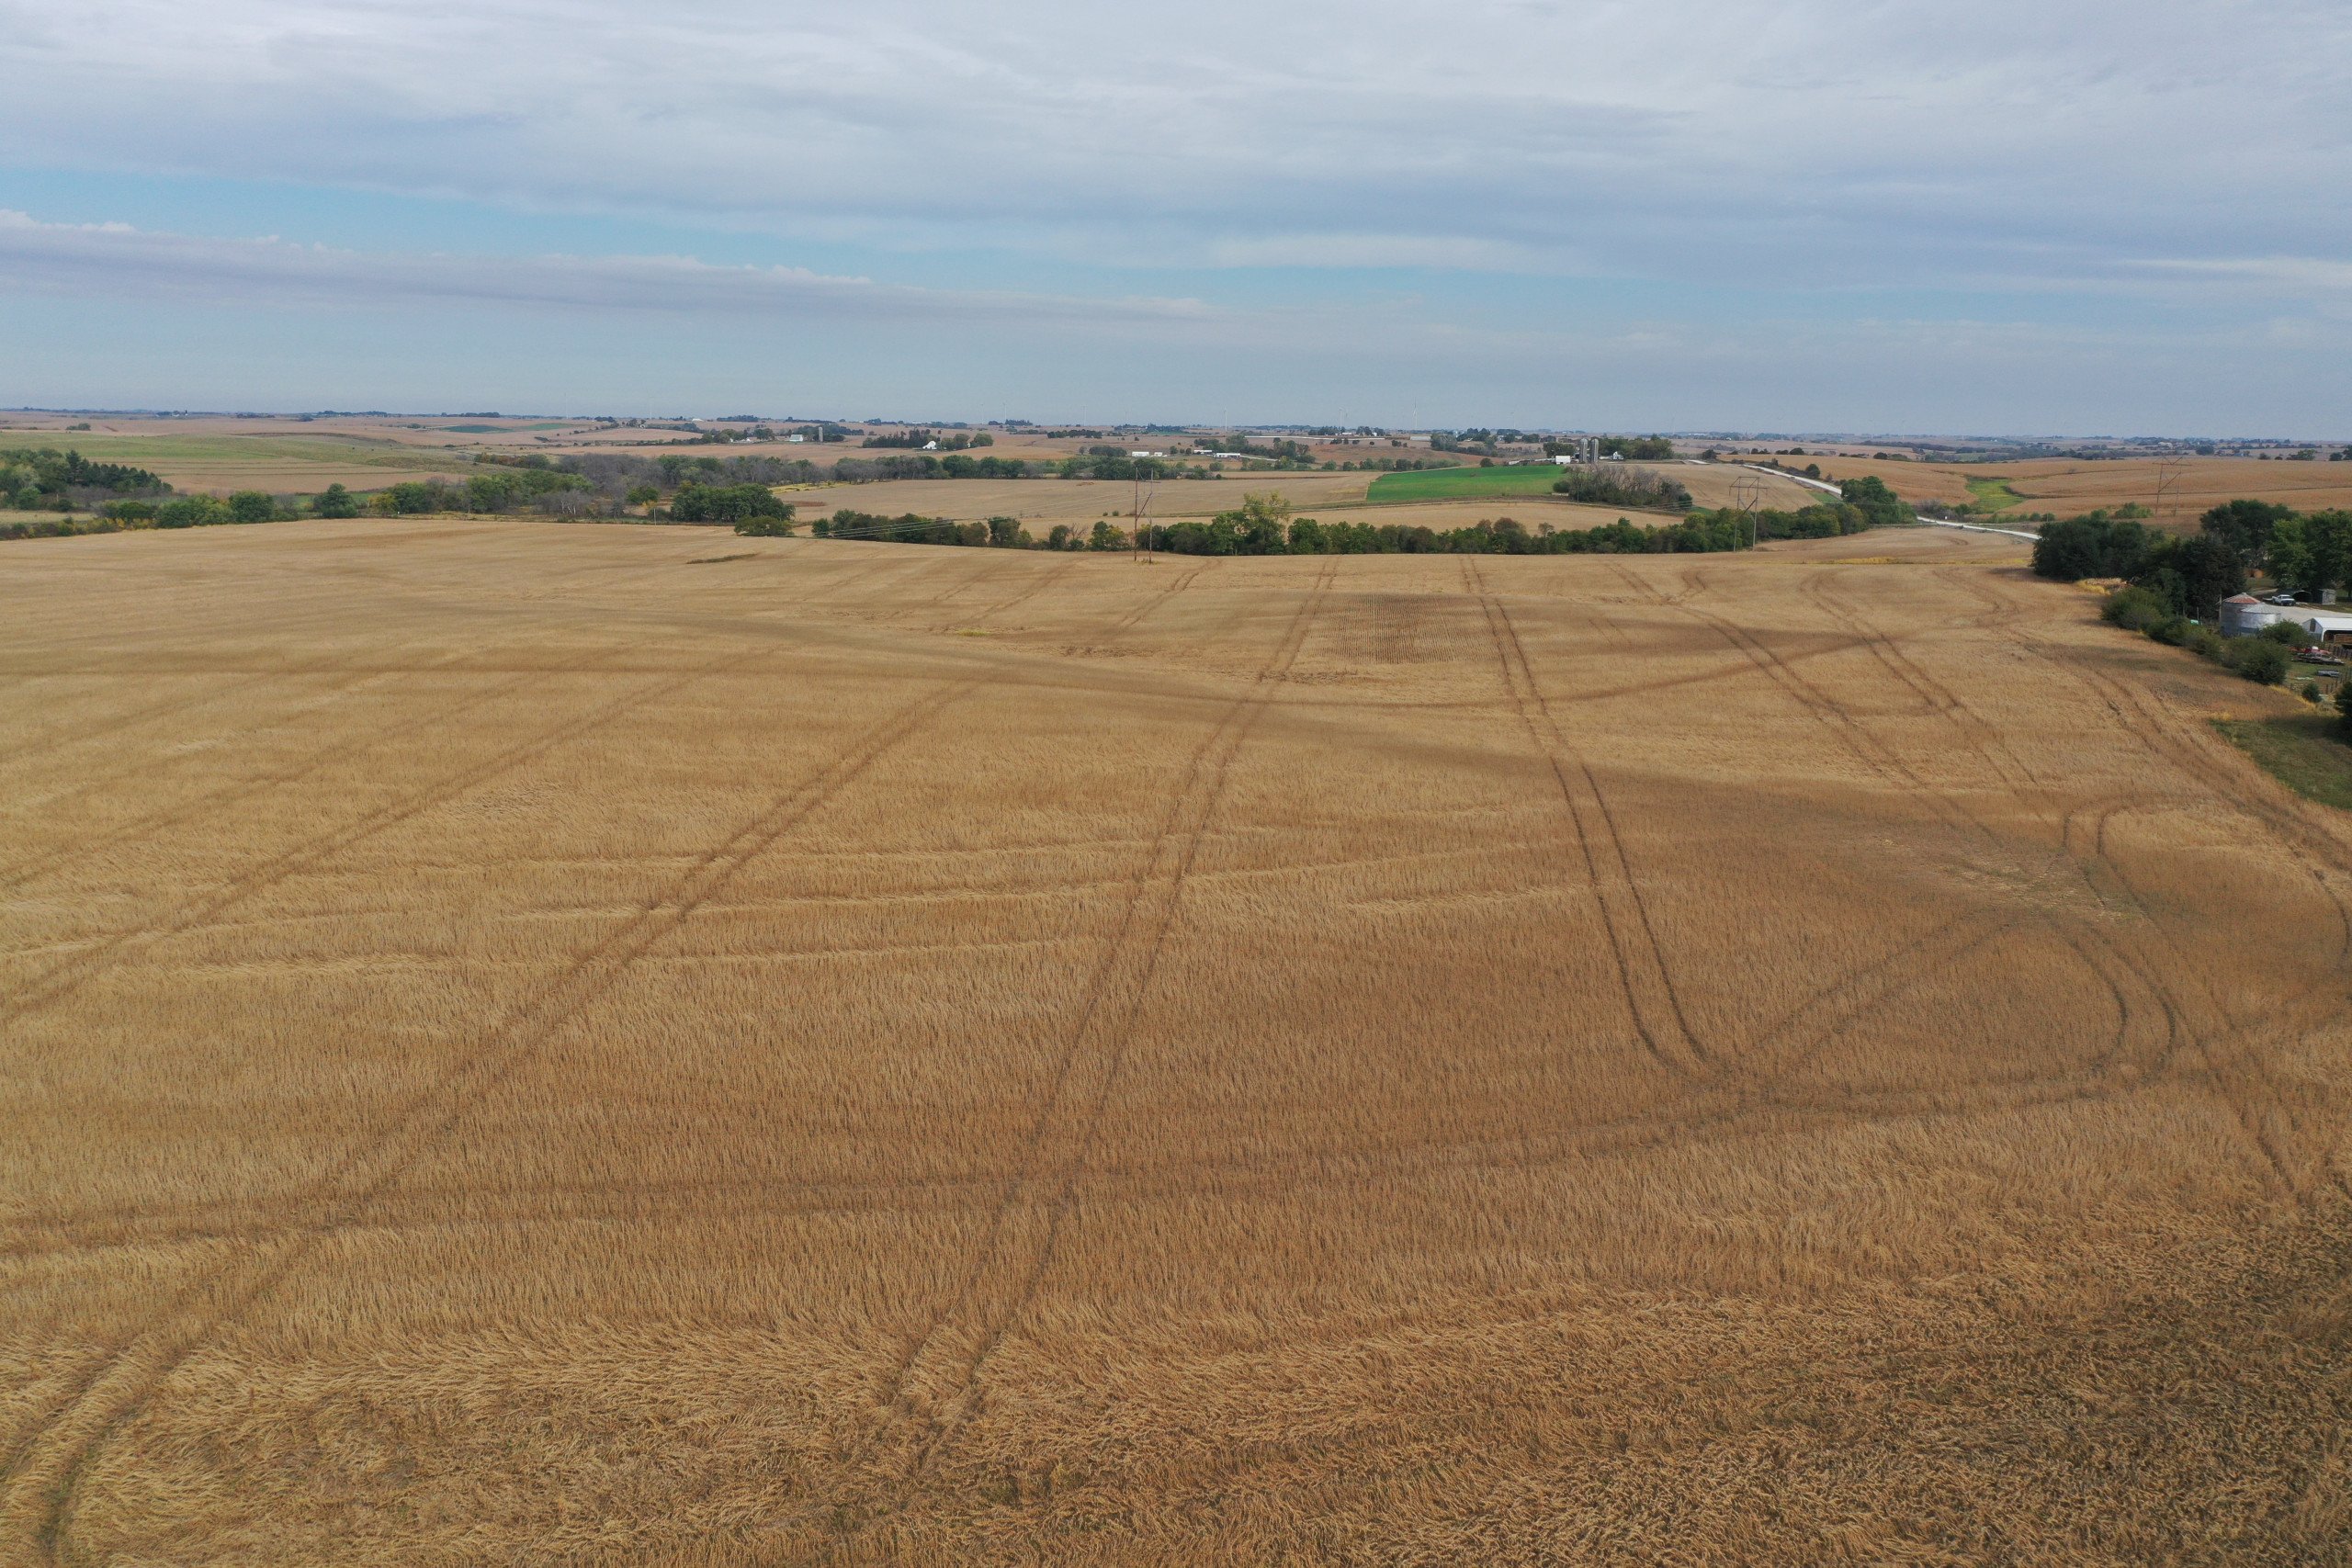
2269, 1113
1799, 1032
2101, 956
1038, 582
936, 1385
60, 739
2214, 1033
1642, 971
97, 958
2237, 785
347, 680
34, 867
1110, 635
2104, 954
42, 1476
344, 677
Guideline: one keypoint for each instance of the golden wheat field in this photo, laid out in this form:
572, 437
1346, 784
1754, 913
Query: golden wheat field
531, 1043
2178, 493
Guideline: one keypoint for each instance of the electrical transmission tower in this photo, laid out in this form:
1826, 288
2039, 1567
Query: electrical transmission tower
1146, 484
2167, 484
1748, 494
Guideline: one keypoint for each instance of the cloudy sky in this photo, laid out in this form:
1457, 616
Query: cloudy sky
2006, 217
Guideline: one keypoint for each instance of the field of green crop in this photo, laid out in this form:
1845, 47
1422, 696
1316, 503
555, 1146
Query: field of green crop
1993, 495
1463, 484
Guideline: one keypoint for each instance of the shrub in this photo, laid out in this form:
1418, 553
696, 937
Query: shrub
335, 501
416, 497
2095, 545
190, 512
738, 504
2136, 609
1622, 487
2260, 660
252, 506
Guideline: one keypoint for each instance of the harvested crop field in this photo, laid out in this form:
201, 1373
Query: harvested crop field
614, 1045
2178, 494
218, 464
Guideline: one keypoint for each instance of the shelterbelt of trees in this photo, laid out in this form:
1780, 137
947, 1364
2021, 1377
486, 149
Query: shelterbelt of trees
89, 497
1264, 524
2236, 542
2174, 586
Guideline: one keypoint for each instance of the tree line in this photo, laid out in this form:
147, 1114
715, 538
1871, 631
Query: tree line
1264, 524
2192, 574
42, 478
1623, 487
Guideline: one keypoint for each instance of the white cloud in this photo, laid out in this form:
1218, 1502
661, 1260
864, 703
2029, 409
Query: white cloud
1679, 138
2293, 274
1819, 212
117, 260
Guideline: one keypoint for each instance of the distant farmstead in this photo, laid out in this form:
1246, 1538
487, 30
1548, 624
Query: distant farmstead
2243, 614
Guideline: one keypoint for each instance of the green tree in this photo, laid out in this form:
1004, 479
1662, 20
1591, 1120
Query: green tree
414, 498
2245, 526
190, 512
727, 503
2289, 553
252, 506
2328, 537
1007, 534
1878, 503
335, 501
1105, 538
494, 492
1263, 525
2260, 660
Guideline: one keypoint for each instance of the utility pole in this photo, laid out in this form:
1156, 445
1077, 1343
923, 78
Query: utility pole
2167, 484
1137, 549
1747, 492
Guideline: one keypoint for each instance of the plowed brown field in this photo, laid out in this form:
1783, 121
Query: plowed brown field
539, 1043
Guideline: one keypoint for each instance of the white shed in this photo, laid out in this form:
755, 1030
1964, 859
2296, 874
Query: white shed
2330, 626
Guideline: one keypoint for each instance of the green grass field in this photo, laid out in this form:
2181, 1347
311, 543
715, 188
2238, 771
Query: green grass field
1456, 484
2300, 752
1993, 495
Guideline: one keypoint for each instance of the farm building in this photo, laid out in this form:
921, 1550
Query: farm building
2243, 614
2331, 628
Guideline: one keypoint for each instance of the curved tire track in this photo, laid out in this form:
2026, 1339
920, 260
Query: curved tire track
42, 1476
